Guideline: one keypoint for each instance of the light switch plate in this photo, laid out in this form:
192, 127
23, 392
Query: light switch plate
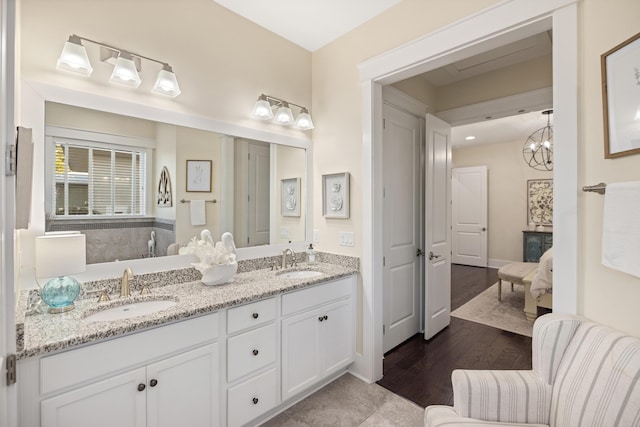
346, 238
316, 235
284, 231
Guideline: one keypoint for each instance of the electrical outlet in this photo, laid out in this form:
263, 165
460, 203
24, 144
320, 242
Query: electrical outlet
346, 238
284, 231
316, 235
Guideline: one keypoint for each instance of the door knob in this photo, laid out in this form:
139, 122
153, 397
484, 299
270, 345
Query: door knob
432, 256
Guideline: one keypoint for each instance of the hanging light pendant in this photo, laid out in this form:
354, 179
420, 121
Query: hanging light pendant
538, 148
125, 72
166, 83
74, 57
262, 109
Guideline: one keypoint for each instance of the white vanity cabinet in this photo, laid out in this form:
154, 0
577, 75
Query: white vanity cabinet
317, 334
165, 393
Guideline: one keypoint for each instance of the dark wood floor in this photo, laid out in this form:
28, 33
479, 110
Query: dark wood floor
420, 370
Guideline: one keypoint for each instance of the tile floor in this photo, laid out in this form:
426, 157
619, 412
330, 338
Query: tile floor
350, 402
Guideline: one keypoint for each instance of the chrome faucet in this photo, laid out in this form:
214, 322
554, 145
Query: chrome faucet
125, 290
284, 258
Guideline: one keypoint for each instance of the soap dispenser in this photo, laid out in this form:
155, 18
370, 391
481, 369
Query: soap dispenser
311, 255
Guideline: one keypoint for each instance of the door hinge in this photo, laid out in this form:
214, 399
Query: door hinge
384, 261
11, 160
384, 123
384, 329
11, 369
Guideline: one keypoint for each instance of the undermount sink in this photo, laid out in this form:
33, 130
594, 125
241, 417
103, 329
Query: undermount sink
130, 310
303, 274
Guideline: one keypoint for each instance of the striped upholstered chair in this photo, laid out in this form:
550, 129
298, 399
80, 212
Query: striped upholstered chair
584, 374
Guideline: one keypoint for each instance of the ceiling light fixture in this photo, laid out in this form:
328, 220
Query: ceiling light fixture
538, 148
127, 66
469, 138
264, 106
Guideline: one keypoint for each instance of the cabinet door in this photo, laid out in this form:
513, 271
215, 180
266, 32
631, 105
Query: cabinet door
300, 352
183, 390
336, 337
113, 402
532, 247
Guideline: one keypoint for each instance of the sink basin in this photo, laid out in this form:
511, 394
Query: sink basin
127, 311
305, 274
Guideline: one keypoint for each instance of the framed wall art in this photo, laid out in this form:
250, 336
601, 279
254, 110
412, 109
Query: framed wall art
290, 197
540, 202
199, 176
164, 197
621, 98
335, 195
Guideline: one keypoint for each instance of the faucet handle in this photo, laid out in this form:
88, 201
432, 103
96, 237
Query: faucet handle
104, 296
275, 266
145, 289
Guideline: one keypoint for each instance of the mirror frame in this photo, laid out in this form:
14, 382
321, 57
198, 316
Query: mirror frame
33, 96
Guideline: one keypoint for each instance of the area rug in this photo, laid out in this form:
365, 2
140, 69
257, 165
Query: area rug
507, 314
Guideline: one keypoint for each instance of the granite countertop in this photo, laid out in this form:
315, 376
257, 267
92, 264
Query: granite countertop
45, 333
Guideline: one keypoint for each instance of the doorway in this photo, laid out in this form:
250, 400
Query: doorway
496, 26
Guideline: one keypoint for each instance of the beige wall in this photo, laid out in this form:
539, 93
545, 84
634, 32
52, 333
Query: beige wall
289, 162
507, 174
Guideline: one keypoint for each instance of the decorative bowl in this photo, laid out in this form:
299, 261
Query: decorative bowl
219, 274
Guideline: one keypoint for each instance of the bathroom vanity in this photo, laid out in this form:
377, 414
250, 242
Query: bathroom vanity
226, 355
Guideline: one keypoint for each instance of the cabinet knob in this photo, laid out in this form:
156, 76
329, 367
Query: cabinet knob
255, 352
255, 315
325, 317
141, 387
153, 383
255, 400
321, 318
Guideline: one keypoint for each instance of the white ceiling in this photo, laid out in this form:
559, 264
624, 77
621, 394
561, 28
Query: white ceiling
310, 24
507, 129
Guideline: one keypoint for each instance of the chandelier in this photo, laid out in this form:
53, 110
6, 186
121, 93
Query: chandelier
538, 148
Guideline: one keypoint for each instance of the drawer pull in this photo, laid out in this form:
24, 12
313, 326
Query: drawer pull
153, 383
255, 352
255, 315
141, 387
255, 400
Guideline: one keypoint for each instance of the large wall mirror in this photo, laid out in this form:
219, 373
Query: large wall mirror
254, 184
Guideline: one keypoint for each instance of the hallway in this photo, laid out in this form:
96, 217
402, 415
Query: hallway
421, 370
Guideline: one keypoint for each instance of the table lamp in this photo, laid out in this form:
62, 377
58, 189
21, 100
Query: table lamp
58, 255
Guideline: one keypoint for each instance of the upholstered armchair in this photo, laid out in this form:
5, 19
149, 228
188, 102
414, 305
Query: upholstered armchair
584, 374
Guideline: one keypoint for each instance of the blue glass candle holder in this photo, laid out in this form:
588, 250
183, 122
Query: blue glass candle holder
60, 293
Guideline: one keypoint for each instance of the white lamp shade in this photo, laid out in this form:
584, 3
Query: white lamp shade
166, 84
303, 121
60, 255
125, 72
74, 58
262, 110
284, 116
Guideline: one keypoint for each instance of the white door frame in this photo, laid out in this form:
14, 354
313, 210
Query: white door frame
495, 26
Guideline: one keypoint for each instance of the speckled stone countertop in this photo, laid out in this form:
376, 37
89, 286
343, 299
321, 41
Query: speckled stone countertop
44, 333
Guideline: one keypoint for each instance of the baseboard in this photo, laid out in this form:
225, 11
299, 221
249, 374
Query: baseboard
497, 263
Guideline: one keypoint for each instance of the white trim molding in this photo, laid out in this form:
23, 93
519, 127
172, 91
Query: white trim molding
498, 25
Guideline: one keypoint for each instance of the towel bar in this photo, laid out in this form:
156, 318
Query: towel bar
206, 201
599, 188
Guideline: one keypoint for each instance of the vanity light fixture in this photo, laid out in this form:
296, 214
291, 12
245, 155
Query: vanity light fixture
264, 106
127, 65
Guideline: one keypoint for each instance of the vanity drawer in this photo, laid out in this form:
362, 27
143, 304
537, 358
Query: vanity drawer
252, 398
250, 315
314, 296
251, 351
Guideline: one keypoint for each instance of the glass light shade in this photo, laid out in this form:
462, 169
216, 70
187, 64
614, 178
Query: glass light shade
262, 109
58, 255
125, 72
284, 116
74, 58
303, 121
166, 83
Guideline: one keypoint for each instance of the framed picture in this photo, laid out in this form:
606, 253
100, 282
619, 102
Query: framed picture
290, 197
199, 176
335, 195
540, 201
164, 197
621, 98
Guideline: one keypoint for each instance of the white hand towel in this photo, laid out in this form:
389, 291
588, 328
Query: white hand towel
621, 227
198, 213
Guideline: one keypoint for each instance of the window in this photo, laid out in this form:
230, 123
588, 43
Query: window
94, 179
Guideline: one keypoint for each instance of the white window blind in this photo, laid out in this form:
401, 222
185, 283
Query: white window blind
97, 180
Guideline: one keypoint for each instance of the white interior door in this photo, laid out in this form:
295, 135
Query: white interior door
402, 218
259, 194
437, 226
469, 222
